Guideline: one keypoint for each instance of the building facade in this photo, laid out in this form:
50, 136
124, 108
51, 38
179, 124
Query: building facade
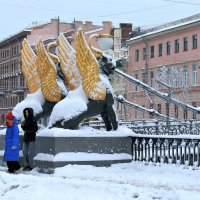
12, 84
169, 53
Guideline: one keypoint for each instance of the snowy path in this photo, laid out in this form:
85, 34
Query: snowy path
118, 182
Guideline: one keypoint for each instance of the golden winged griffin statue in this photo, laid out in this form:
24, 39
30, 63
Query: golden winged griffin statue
70, 85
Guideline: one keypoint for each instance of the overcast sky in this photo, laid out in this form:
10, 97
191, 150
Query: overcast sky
16, 15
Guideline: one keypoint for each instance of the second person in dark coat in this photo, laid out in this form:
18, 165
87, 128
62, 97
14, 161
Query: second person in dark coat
30, 128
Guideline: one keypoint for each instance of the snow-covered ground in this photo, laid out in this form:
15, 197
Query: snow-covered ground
118, 182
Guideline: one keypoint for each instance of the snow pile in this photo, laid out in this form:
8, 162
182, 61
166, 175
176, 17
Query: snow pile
104, 78
81, 156
62, 87
3, 131
85, 131
118, 182
34, 101
72, 105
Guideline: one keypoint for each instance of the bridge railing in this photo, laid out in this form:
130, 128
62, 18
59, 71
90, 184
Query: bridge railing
157, 127
170, 150
176, 142
189, 127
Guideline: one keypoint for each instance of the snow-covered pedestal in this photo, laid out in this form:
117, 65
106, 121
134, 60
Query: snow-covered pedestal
58, 147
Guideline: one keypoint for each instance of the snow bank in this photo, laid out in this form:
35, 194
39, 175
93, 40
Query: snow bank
85, 132
34, 101
72, 105
119, 182
81, 156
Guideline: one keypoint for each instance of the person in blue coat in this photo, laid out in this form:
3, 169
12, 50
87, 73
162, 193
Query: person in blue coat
11, 155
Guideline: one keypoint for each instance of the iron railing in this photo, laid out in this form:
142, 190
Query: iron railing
159, 142
170, 150
156, 127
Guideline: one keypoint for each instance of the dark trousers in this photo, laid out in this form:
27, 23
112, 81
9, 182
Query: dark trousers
13, 165
29, 153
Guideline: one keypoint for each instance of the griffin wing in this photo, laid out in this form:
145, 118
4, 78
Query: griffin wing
67, 58
47, 73
29, 67
88, 67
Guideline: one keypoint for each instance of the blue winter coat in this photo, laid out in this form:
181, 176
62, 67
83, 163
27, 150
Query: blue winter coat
12, 139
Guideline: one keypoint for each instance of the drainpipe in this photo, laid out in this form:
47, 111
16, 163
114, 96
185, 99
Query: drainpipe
146, 61
58, 27
146, 72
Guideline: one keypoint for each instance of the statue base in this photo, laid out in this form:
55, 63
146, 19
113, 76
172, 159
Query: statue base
59, 147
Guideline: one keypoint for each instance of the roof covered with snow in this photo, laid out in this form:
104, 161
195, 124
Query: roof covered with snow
93, 31
18, 35
168, 27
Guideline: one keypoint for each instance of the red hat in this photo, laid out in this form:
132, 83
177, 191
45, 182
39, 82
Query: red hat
10, 116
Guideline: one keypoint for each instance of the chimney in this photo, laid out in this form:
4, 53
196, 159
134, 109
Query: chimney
126, 28
78, 24
107, 25
54, 20
88, 24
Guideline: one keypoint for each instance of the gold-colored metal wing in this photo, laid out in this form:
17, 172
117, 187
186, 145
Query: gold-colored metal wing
29, 67
47, 73
88, 67
67, 58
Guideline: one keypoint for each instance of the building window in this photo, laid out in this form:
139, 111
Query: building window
194, 75
176, 111
167, 75
144, 53
151, 78
152, 51
136, 87
194, 115
185, 44
176, 75
184, 113
168, 48
160, 49
167, 109
185, 76
143, 75
194, 41
136, 55
159, 108
136, 113
158, 76
143, 112
176, 46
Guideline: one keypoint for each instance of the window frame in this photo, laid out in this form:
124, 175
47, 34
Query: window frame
194, 42
152, 51
160, 50
168, 48
185, 44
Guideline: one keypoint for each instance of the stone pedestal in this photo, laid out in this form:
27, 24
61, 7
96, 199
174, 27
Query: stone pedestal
52, 152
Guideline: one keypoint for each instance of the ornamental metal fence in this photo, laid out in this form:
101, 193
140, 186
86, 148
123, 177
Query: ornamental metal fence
170, 150
155, 127
171, 142
189, 127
